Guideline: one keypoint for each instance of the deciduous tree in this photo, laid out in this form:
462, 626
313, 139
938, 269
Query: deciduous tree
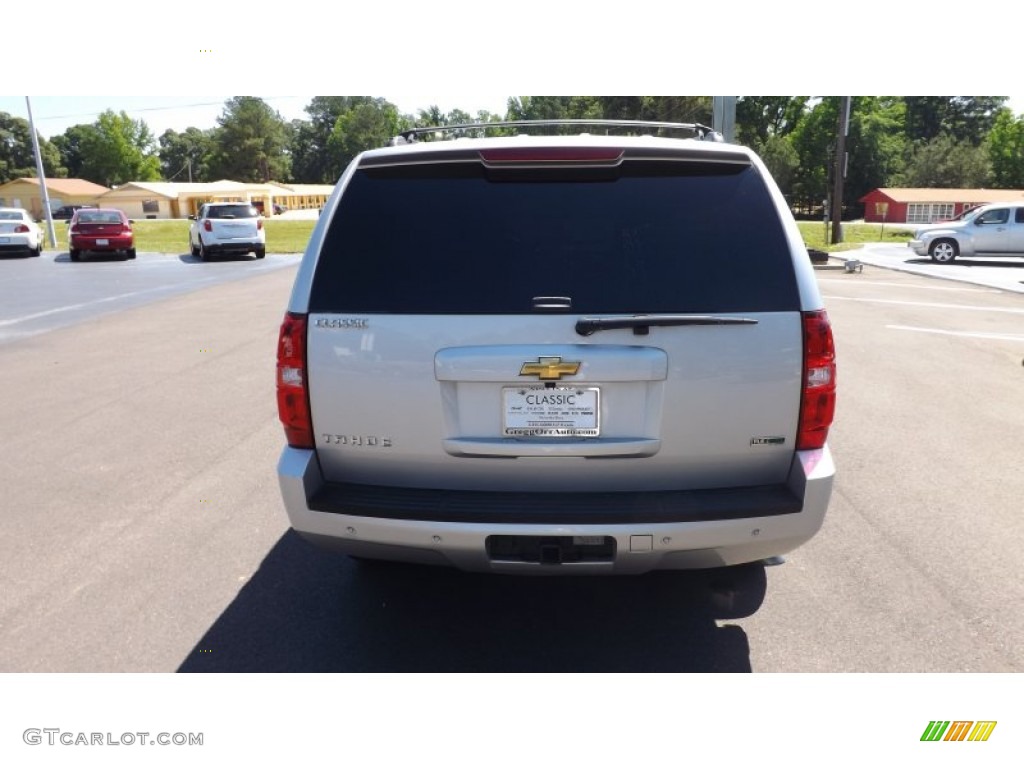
1005, 147
69, 145
118, 150
366, 126
17, 156
185, 156
966, 118
945, 163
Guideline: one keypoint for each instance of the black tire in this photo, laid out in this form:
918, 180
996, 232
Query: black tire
202, 254
943, 251
192, 249
75, 254
131, 253
261, 253
37, 251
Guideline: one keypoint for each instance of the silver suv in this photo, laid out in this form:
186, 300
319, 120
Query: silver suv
227, 228
557, 354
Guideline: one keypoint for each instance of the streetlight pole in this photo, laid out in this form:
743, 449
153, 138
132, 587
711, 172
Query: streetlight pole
39, 175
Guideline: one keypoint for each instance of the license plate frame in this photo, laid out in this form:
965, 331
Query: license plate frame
538, 411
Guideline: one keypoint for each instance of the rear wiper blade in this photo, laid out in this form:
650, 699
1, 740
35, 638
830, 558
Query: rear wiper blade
641, 324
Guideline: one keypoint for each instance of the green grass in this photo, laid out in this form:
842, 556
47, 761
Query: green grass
171, 236
853, 235
291, 236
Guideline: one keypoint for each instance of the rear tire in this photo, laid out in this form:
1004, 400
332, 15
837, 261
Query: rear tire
943, 251
131, 253
75, 254
261, 253
192, 249
202, 254
37, 251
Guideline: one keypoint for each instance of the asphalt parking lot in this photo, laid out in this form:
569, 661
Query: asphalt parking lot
50, 292
144, 531
1005, 273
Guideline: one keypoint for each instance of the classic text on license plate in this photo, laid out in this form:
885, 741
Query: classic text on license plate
540, 411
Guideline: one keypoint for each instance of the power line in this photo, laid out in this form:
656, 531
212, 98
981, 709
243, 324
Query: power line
173, 108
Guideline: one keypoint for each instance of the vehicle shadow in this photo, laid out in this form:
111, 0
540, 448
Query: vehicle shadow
187, 258
65, 258
1011, 262
306, 610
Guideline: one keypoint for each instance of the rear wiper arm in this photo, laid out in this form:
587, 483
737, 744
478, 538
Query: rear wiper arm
641, 324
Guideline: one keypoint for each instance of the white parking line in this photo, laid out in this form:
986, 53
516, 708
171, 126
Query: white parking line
858, 281
967, 334
929, 304
72, 307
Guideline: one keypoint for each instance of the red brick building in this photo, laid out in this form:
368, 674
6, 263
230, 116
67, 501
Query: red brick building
923, 206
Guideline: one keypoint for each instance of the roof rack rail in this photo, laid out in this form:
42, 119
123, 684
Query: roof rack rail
702, 132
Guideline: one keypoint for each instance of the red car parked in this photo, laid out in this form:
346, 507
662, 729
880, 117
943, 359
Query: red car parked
100, 230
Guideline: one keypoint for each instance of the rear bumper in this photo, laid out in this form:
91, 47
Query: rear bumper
247, 246
649, 531
113, 244
18, 243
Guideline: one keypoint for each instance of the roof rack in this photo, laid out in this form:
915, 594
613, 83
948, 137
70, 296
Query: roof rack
702, 132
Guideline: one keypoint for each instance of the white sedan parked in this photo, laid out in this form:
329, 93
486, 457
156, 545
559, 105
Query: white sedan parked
18, 232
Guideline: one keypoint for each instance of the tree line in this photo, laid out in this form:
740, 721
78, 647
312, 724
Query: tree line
893, 141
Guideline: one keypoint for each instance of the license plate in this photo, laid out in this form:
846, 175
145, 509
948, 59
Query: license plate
550, 411
102, 241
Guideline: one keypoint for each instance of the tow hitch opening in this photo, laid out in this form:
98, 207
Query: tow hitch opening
551, 550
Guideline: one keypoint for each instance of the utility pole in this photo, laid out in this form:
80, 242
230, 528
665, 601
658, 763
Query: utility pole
39, 174
840, 170
723, 116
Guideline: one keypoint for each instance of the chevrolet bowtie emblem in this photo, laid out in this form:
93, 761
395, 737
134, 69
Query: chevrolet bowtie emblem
549, 368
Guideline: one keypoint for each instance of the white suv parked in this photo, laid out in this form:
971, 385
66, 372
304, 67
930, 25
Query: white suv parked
557, 354
227, 228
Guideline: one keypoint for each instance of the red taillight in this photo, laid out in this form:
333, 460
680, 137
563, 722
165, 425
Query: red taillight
207, 225
818, 403
21, 228
292, 396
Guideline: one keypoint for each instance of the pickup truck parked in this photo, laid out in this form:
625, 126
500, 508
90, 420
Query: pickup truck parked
996, 229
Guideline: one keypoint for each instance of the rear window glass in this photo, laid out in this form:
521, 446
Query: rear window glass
231, 212
99, 217
10, 216
653, 237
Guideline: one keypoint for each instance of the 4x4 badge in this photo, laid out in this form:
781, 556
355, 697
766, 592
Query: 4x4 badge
549, 368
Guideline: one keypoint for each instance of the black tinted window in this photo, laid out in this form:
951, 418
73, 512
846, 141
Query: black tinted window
240, 211
658, 237
996, 216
